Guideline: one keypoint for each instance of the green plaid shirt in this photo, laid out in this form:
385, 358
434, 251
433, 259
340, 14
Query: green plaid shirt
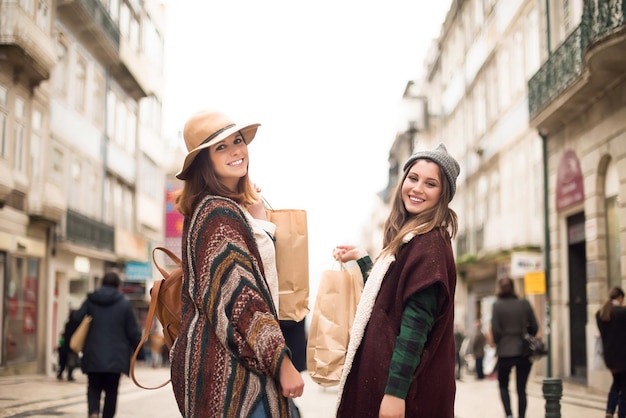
417, 321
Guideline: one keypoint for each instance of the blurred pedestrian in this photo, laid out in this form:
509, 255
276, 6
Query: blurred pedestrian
111, 341
459, 336
611, 321
157, 341
68, 359
478, 349
512, 318
400, 360
230, 358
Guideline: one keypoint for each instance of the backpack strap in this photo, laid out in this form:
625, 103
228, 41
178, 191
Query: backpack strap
146, 333
171, 255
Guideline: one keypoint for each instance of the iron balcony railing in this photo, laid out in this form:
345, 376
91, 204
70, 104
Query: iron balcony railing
565, 65
84, 230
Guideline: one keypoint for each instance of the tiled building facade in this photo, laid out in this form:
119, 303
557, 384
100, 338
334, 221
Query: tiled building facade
82, 185
529, 96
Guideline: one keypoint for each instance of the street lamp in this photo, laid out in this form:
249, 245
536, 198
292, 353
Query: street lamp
414, 113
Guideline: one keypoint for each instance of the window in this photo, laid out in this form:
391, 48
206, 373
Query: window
531, 44
152, 44
4, 116
107, 204
492, 92
97, 107
131, 133
75, 192
111, 115
150, 113
20, 299
59, 76
81, 83
28, 6
613, 226
114, 10
92, 191
504, 83
567, 20
517, 76
36, 144
57, 164
19, 155
43, 15
494, 196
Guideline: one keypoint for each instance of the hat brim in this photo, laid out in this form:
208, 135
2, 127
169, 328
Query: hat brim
248, 131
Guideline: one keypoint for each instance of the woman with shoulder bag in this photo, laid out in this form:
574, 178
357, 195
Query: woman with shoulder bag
230, 358
512, 318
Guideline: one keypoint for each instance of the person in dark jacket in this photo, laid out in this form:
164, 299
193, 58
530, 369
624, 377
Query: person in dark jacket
512, 318
68, 359
611, 320
478, 349
111, 341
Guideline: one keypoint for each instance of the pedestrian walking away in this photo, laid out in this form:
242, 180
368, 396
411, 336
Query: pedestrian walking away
68, 359
611, 321
478, 349
111, 341
511, 319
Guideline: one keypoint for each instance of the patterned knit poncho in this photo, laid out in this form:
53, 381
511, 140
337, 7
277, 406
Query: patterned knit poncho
230, 346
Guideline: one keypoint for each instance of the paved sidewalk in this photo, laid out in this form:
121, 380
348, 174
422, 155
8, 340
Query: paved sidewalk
41, 396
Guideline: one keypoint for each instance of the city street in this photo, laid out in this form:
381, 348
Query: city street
41, 396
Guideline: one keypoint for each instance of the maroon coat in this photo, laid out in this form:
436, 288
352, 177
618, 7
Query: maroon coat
426, 260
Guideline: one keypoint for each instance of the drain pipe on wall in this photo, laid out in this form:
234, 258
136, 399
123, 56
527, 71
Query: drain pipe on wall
552, 388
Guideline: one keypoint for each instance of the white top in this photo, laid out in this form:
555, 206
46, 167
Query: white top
267, 250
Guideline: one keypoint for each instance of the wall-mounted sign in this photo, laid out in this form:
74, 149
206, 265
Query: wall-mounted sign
569, 182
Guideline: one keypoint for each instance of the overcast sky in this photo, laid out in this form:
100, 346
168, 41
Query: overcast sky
324, 78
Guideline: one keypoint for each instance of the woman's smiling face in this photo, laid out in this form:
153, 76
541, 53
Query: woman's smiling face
230, 160
421, 189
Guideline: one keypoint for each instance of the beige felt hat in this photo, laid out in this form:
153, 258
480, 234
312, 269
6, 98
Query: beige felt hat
208, 127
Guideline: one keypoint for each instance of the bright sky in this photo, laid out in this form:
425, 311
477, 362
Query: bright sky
324, 78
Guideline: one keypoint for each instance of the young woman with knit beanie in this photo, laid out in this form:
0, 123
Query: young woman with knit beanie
401, 356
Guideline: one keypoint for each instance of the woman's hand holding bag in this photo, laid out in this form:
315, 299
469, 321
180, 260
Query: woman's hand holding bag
331, 321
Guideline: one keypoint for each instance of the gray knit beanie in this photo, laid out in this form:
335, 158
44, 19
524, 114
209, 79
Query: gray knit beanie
439, 155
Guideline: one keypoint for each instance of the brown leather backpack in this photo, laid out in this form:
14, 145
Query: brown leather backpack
165, 304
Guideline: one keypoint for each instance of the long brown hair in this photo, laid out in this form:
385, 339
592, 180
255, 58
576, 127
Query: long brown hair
505, 289
202, 181
614, 294
400, 222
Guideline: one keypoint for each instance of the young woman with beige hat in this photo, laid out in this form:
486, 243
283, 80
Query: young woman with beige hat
230, 358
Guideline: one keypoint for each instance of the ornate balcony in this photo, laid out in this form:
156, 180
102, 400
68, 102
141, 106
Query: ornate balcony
585, 65
27, 47
93, 25
84, 230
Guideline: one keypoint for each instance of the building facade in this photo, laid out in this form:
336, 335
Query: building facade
540, 134
577, 103
83, 152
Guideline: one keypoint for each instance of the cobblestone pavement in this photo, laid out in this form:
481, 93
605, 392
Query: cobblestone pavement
41, 396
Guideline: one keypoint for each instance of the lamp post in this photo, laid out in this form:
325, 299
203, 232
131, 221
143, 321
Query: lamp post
414, 109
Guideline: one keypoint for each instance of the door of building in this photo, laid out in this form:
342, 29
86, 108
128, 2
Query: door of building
577, 263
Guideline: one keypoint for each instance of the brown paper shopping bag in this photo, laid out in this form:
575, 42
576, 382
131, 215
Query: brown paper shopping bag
292, 262
77, 341
329, 333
